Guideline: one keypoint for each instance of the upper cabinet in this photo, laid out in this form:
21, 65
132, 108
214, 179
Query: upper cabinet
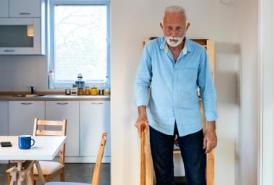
4, 10
22, 27
25, 8
20, 36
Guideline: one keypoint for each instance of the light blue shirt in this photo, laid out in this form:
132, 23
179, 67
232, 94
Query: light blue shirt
169, 89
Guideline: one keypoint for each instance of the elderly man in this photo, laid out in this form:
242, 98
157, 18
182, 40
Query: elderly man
173, 72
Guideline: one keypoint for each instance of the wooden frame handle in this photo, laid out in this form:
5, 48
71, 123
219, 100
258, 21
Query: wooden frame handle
143, 158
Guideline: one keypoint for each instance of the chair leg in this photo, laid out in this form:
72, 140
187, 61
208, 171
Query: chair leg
8, 179
62, 176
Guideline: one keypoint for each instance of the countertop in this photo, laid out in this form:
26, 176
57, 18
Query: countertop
53, 97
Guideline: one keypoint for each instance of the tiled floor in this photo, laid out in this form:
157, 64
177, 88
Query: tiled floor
73, 173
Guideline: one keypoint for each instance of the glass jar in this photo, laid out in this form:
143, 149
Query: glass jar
81, 91
94, 91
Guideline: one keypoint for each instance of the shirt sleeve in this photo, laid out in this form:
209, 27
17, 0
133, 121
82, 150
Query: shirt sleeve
207, 89
143, 78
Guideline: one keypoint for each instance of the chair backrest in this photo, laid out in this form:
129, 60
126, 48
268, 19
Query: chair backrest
51, 128
100, 154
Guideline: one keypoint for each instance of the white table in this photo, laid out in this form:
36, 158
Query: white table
45, 148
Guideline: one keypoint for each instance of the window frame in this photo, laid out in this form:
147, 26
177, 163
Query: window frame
51, 39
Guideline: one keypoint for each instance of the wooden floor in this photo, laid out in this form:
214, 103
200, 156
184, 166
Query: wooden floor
73, 173
81, 173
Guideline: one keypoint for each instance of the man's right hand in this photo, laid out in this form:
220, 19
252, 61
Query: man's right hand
142, 121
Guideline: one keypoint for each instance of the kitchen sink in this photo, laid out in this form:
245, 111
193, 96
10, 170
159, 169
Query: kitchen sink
57, 96
28, 95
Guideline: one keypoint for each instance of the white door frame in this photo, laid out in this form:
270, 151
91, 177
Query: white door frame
266, 84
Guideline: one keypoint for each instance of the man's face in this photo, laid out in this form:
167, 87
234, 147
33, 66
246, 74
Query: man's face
174, 24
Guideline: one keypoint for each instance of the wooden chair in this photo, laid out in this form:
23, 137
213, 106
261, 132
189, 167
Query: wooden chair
96, 172
50, 169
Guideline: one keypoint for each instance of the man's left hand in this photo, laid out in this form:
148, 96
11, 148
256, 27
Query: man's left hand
210, 137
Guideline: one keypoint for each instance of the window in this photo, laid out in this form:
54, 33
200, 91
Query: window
79, 40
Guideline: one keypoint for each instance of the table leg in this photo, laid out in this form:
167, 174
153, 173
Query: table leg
26, 172
13, 174
19, 168
39, 170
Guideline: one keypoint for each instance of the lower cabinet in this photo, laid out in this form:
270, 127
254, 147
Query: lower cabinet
58, 110
22, 114
94, 120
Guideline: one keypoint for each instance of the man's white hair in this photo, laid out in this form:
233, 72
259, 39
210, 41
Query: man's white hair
176, 9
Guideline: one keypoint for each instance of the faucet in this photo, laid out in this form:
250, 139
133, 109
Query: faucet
32, 90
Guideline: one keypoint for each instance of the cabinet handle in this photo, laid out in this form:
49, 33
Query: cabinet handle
26, 103
59, 103
98, 103
24, 13
9, 50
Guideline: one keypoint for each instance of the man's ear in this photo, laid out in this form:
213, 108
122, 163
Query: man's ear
187, 25
161, 25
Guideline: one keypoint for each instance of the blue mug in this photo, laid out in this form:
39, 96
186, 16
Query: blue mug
25, 141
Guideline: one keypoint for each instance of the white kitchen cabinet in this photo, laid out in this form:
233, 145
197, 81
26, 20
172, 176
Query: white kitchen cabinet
22, 27
25, 8
4, 8
4, 118
94, 120
59, 110
15, 38
22, 114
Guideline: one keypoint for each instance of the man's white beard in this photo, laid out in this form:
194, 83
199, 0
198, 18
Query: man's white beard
174, 41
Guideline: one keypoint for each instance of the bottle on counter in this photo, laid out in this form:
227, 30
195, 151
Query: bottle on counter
80, 84
74, 90
81, 91
86, 92
107, 92
51, 79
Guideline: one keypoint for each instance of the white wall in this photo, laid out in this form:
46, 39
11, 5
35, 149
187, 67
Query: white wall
234, 33
266, 72
248, 32
19, 72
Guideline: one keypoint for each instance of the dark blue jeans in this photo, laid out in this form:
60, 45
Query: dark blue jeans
193, 156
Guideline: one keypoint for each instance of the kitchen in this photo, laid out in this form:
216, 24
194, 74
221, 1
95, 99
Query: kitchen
234, 26
62, 82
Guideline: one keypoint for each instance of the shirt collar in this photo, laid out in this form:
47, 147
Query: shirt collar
187, 47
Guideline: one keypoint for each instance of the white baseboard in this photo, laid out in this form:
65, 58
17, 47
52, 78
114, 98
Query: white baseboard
76, 160
86, 159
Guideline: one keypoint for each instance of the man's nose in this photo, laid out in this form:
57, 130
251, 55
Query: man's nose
173, 33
